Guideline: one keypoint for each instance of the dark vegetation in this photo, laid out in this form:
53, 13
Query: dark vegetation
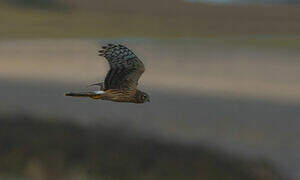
45, 4
51, 149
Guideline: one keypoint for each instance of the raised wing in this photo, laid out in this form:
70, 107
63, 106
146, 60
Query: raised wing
125, 67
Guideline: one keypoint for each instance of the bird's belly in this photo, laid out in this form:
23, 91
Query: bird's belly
117, 96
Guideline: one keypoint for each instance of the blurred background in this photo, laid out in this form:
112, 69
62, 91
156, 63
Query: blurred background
223, 77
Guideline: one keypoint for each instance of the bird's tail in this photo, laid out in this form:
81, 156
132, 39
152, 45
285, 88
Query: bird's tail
94, 95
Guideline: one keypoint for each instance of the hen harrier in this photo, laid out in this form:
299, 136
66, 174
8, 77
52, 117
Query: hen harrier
120, 84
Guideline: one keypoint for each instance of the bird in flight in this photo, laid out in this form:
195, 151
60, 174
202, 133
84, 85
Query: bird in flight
120, 84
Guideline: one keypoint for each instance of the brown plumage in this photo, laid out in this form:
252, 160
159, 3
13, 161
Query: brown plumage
121, 81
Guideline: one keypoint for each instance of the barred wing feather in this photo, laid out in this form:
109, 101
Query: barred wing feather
125, 67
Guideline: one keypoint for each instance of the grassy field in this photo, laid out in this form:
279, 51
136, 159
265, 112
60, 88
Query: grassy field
161, 19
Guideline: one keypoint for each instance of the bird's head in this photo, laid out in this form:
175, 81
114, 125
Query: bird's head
143, 97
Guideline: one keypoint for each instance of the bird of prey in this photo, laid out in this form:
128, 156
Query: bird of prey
120, 84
